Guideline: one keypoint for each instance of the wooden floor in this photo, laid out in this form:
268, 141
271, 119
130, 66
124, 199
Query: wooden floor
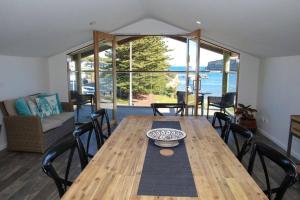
21, 176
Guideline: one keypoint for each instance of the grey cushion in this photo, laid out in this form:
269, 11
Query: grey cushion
62, 116
48, 124
10, 106
55, 121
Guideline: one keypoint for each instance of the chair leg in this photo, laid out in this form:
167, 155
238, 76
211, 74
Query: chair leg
77, 110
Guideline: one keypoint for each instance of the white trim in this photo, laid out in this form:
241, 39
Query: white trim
279, 143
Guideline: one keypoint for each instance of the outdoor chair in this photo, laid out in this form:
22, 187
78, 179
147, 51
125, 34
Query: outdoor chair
224, 102
98, 119
62, 183
181, 99
247, 136
80, 100
224, 123
282, 161
179, 108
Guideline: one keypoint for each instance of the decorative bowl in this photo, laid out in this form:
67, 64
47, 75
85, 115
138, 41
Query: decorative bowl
166, 137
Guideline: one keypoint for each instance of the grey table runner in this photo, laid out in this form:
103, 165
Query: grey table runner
167, 176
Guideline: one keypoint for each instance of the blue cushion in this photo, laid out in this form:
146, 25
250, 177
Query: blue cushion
48, 105
57, 99
22, 107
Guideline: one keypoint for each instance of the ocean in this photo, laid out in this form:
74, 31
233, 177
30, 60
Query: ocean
212, 83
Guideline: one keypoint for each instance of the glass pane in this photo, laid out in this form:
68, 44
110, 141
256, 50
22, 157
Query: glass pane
105, 56
88, 82
73, 81
106, 100
192, 52
150, 87
232, 81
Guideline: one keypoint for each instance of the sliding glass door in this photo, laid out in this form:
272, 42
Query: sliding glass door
104, 63
192, 73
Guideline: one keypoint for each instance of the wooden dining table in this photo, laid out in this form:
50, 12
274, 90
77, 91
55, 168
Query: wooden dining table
115, 171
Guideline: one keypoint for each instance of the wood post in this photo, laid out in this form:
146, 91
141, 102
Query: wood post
226, 69
78, 72
96, 68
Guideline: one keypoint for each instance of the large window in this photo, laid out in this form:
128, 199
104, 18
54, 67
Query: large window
153, 69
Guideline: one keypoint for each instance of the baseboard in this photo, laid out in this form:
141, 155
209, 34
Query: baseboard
279, 143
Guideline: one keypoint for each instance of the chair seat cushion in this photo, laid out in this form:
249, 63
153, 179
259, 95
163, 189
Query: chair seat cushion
55, 121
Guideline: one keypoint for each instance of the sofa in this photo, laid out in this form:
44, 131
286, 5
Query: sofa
33, 134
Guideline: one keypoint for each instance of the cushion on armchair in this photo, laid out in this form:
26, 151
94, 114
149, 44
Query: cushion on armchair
48, 105
22, 107
55, 121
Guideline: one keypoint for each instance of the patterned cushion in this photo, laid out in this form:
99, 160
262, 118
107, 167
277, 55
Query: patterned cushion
57, 98
34, 109
48, 105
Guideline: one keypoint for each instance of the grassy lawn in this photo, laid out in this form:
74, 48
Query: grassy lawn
122, 101
164, 99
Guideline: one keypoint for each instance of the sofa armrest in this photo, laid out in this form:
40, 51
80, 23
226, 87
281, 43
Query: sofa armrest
24, 133
67, 106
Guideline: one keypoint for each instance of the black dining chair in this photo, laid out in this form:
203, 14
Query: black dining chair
101, 124
282, 161
80, 100
67, 144
179, 108
224, 124
83, 134
247, 137
226, 101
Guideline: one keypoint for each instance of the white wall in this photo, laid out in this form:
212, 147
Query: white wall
248, 79
278, 98
58, 78
20, 76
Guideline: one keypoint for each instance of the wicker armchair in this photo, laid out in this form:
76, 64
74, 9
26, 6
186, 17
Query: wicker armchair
226, 101
33, 134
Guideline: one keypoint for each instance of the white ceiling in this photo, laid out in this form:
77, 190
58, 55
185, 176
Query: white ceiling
43, 28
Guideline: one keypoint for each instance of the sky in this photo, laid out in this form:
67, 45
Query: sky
179, 54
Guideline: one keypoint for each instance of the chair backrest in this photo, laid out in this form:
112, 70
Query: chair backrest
179, 108
224, 123
180, 96
74, 95
80, 133
247, 136
62, 183
228, 99
98, 119
282, 161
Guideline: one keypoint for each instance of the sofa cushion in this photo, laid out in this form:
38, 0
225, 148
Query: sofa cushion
63, 116
55, 121
48, 124
10, 107
48, 105
34, 109
22, 107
